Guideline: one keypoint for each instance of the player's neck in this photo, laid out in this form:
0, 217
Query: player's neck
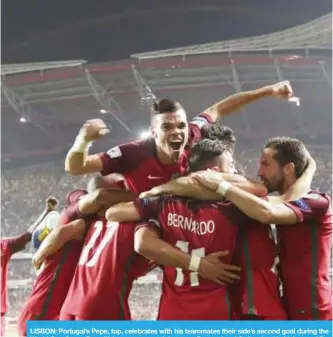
164, 159
288, 182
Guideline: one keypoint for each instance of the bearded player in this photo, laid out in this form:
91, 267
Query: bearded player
304, 240
151, 162
257, 295
10, 246
195, 226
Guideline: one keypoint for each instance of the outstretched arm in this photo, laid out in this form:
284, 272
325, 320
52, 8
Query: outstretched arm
254, 207
189, 187
282, 90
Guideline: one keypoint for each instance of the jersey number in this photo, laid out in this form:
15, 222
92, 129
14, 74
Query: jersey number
98, 226
194, 276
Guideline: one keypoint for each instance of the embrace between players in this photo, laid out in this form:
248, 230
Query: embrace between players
209, 229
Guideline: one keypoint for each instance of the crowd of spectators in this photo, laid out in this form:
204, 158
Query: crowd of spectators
23, 197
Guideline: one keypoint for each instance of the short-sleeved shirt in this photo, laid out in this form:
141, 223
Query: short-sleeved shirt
198, 228
138, 163
105, 273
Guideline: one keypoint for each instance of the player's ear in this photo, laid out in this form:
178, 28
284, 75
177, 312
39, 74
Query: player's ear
152, 131
289, 168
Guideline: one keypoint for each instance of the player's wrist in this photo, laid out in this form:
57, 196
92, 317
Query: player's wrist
223, 187
194, 263
81, 144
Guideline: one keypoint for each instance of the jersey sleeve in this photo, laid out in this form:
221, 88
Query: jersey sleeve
312, 206
71, 213
151, 223
18, 243
123, 158
148, 208
195, 127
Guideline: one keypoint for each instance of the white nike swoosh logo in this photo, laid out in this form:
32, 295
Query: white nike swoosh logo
152, 177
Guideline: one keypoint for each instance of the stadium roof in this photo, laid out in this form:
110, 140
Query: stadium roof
10, 69
316, 34
54, 98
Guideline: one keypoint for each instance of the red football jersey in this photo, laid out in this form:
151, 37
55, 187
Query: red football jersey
9, 246
199, 228
138, 163
105, 273
258, 291
51, 285
305, 250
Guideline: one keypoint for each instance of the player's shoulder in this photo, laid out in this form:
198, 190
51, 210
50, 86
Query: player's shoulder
317, 198
140, 148
314, 201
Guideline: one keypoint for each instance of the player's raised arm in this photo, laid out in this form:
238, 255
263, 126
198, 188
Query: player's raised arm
77, 160
148, 244
233, 103
75, 230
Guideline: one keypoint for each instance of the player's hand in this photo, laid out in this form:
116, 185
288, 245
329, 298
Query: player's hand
155, 191
284, 90
52, 203
212, 268
94, 129
208, 178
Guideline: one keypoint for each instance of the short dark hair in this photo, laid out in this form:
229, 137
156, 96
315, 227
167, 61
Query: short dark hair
204, 152
216, 131
165, 105
289, 150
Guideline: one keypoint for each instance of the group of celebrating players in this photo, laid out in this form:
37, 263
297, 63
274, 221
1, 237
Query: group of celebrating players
178, 200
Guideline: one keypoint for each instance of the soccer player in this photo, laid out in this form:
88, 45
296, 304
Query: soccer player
304, 240
53, 281
151, 162
199, 227
10, 246
109, 265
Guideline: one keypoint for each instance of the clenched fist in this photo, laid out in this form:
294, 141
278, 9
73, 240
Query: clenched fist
94, 129
284, 90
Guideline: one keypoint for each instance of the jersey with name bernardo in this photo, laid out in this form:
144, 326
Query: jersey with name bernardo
199, 228
138, 163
